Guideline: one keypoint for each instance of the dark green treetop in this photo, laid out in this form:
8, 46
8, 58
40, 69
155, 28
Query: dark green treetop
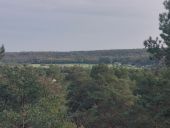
2, 51
161, 49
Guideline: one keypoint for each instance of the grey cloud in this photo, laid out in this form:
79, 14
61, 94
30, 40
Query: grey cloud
77, 24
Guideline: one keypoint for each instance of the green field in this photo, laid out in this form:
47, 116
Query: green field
80, 65
62, 65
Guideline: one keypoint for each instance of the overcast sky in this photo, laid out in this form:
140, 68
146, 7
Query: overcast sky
66, 25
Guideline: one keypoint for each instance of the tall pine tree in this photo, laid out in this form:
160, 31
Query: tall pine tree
2, 51
161, 49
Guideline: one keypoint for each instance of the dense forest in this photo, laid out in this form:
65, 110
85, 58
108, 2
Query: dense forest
101, 96
138, 57
71, 97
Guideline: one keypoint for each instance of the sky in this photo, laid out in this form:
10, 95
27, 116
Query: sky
73, 25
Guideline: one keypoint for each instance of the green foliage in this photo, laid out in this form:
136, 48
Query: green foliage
161, 50
97, 97
19, 86
119, 97
101, 73
30, 98
101, 98
152, 107
2, 51
50, 113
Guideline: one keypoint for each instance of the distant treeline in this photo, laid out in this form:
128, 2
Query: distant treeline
138, 57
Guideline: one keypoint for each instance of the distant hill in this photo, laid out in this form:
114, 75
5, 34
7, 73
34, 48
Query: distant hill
137, 57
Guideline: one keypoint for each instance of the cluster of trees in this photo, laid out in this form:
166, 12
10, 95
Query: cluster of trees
160, 49
77, 97
118, 97
137, 57
32, 98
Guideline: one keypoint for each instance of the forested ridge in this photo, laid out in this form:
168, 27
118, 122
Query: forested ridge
137, 57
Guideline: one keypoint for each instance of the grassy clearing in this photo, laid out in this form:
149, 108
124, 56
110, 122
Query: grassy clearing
82, 65
62, 65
